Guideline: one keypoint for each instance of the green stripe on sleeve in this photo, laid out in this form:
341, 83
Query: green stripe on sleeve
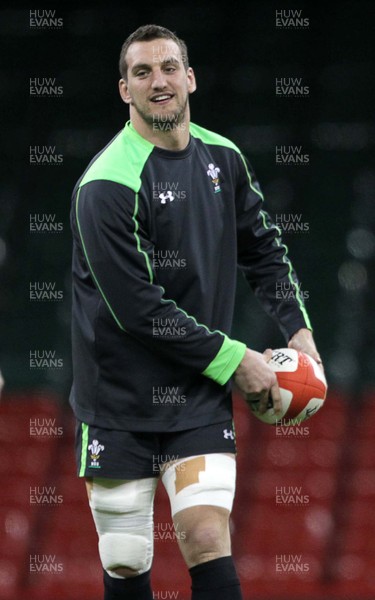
85, 441
139, 248
91, 269
222, 367
295, 285
278, 241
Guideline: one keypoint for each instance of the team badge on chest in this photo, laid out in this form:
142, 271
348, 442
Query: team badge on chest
213, 172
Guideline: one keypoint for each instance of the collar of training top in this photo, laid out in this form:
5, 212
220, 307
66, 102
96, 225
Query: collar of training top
130, 131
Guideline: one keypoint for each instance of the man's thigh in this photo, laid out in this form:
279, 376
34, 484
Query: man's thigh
201, 491
123, 514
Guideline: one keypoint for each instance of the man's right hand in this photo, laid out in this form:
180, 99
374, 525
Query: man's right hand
256, 380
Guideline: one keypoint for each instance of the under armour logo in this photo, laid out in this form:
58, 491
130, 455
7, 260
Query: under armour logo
167, 196
228, 434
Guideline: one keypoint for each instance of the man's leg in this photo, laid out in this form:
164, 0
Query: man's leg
201, 491
123, 515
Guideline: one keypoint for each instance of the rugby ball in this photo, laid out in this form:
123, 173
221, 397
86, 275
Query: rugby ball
302, 384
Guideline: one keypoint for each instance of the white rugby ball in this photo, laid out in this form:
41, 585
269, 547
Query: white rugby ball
302, 384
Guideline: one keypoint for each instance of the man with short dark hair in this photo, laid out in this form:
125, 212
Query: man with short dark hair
161, 218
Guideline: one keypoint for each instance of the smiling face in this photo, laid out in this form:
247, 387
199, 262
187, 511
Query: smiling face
158, 85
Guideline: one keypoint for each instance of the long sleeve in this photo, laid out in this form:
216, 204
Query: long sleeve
263, 258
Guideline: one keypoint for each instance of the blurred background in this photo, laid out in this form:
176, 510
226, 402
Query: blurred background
294, 87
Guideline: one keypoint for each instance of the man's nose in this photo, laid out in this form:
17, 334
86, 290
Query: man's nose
158, 79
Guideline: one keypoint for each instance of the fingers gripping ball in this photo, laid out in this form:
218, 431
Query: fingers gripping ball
302, 384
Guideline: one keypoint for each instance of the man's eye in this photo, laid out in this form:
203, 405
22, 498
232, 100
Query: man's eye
141, 73
170, 69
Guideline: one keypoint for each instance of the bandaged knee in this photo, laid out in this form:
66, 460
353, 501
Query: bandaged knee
209, 479
123, 515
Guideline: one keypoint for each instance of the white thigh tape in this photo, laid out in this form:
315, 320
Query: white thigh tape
117, 496
208, 479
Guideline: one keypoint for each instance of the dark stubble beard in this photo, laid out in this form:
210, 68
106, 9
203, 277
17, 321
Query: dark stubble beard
158, 121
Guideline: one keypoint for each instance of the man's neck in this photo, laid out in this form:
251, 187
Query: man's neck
176, 138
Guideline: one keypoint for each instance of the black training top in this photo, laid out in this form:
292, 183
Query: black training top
157, 237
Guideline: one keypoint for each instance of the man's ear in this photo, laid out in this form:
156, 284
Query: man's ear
192, 84
124, 91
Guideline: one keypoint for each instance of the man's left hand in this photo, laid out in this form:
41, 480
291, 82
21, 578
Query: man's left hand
303, 341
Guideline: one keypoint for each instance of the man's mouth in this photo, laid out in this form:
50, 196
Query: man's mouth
161, 98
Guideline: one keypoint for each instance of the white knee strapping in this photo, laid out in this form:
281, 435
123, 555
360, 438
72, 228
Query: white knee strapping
123, 515
201, 480
124, 550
